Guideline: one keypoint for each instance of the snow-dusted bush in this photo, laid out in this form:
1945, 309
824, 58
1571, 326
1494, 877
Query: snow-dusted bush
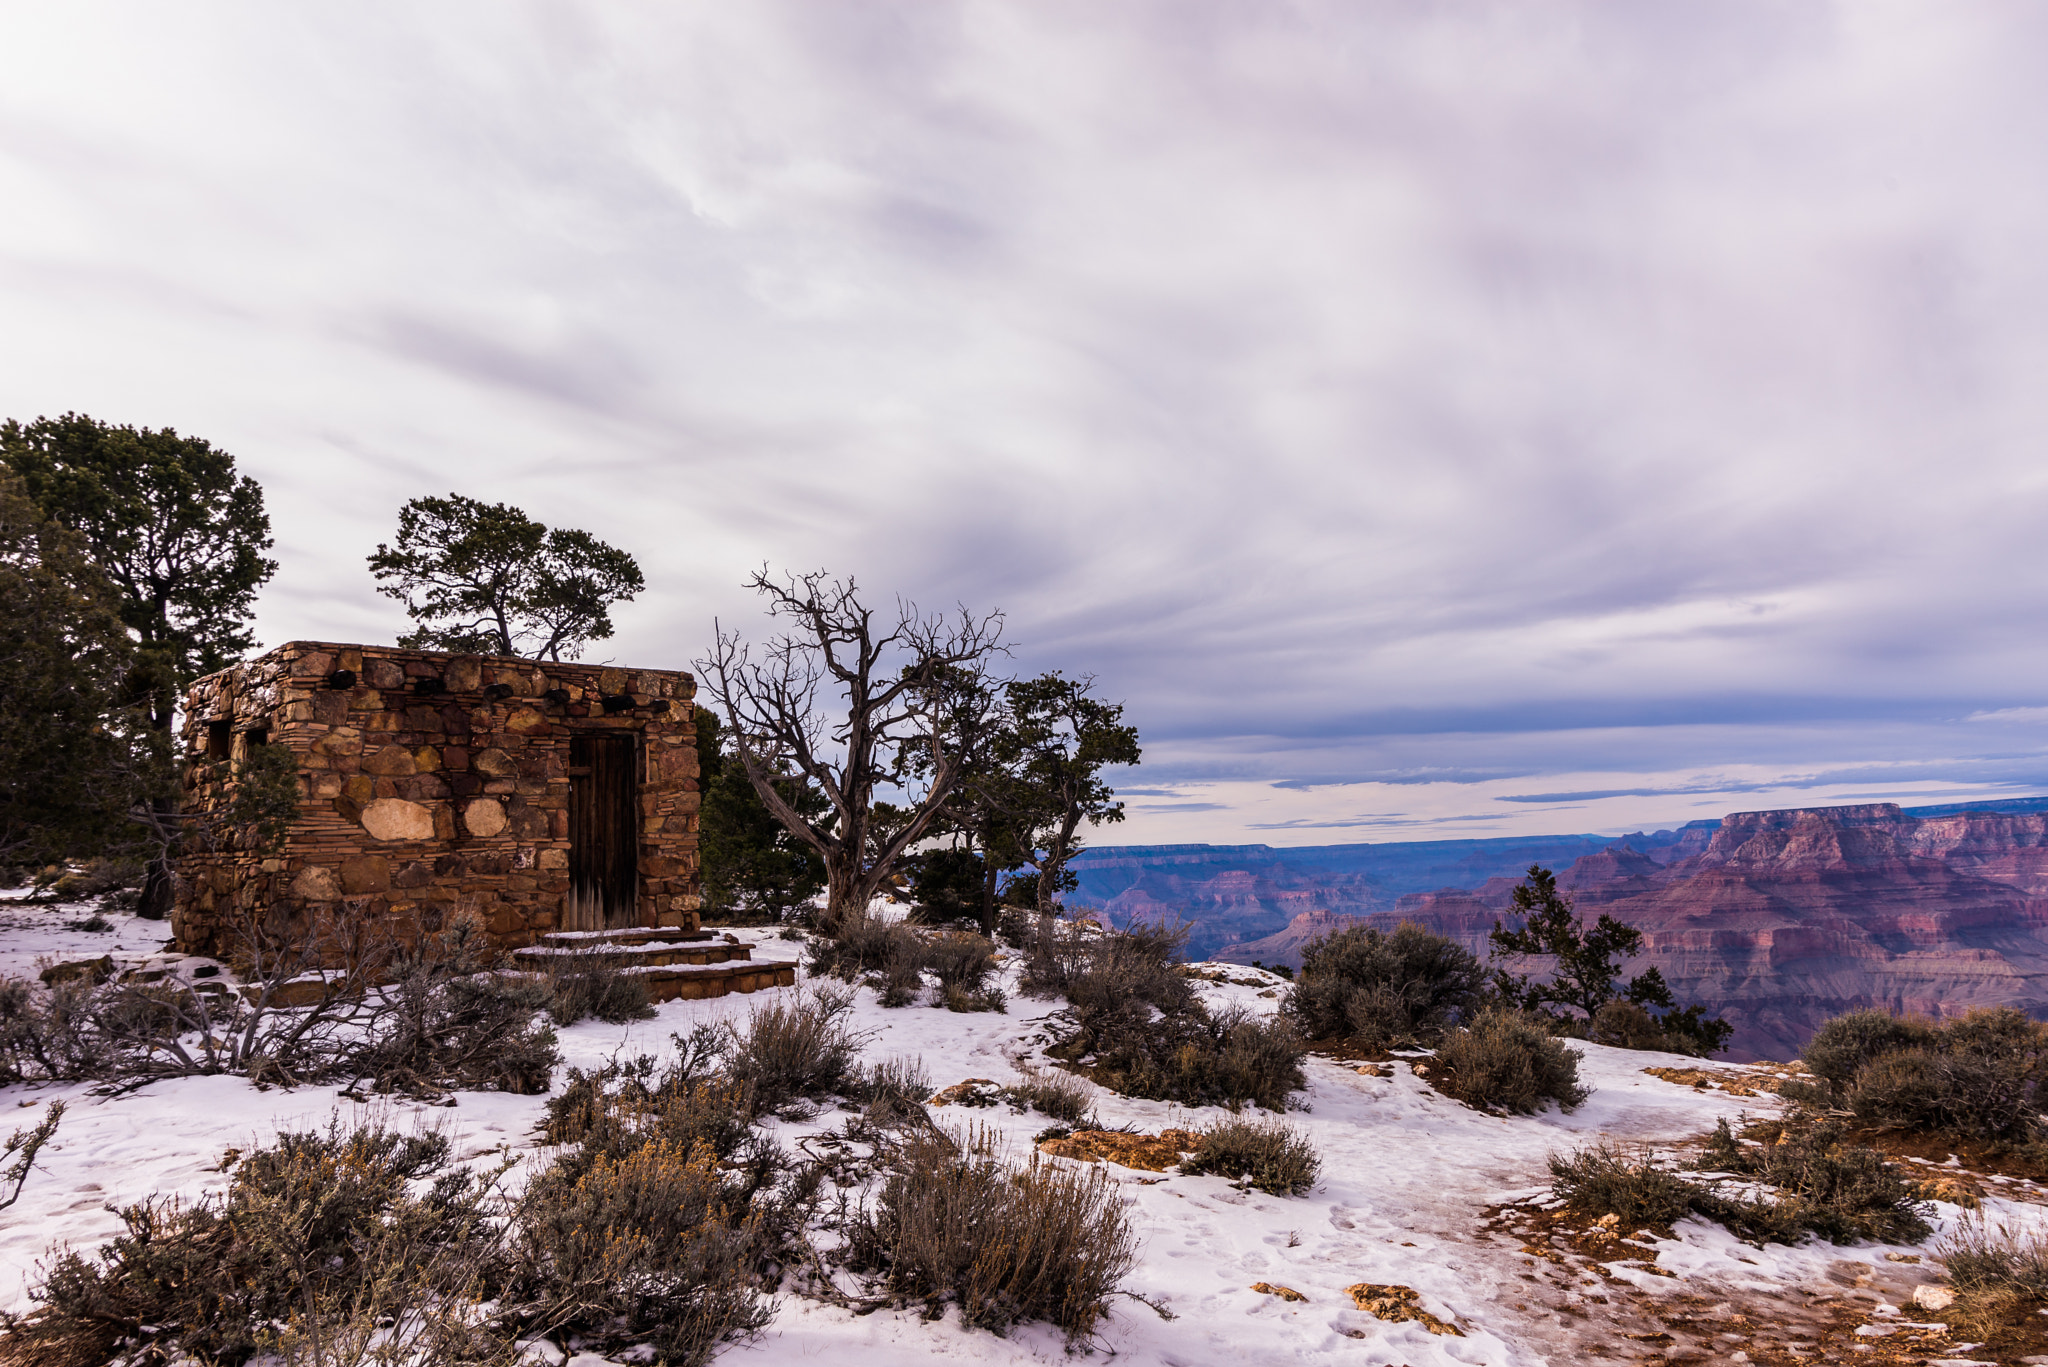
955, 1222
888, 955
656, 1245
603, 989
611, 1111
1265, 1154
1819, 1186
321, 1240
1384, 990
795, 1051
1983, 1258
1840, 1191
1607, 1179
1137, 1027
445, 1019
1052, 1092
42, 1032
893, 1089
1107, 970
1506, 1061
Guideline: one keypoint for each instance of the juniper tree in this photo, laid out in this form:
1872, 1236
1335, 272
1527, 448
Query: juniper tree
1587, 966
487, 579
167, 520
753, 867
1064, 739
840, 698
76, 750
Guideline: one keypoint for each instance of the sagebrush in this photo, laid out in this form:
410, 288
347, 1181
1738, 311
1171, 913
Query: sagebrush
1508, 1061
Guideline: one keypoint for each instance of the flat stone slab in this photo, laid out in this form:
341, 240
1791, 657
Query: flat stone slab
632, 935
605, 952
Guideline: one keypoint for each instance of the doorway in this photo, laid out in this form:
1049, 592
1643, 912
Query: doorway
604, 837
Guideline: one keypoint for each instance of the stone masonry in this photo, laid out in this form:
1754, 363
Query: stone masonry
429, 782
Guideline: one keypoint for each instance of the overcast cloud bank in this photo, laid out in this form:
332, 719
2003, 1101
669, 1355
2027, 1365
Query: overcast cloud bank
1457, 421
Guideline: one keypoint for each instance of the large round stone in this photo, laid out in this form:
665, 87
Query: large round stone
485, 817
393, 818
316, 883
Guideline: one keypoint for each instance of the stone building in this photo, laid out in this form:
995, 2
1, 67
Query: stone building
558, 802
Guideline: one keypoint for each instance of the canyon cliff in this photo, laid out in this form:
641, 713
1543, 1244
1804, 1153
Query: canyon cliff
1776, 920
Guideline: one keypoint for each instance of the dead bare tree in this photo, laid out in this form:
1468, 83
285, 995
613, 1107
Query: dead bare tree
892, 683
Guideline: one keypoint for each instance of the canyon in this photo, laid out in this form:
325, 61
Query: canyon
1775, 920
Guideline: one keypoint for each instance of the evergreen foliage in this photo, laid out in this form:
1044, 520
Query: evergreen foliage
76, 749
180, 536
754, 869
1385, 990
168, 522
487, 579
1586, 967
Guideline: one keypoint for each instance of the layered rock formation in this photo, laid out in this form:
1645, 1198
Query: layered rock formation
1781, 919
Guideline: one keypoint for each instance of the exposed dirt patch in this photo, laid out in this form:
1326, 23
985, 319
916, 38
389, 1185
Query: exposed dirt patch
1982, 1158
1859, 1313
975, 1091
1285, 1293
1146, 1152
1730, 1081
1398, 1304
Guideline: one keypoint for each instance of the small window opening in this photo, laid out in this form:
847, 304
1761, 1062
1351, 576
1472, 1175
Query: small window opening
219, 743
258, 735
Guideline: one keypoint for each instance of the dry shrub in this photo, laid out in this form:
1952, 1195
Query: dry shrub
1506, 1061
1106, 971
44, 1033
894, 1092
604, 989
319, 1237
651, 1246
887, 955
892, 957
794, 1051
1233, 1058
1978, 1076
1384, 990
1053, 1092
447, 1018
1611, 1179
614, 1110
959, 959
1996, 1271
1820, 1186
1271, 1156
1142, 1031
1840, 1191
954, 1222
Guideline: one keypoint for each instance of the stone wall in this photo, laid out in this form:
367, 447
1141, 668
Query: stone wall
431, 781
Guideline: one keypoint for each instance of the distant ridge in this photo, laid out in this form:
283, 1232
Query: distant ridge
2012, 806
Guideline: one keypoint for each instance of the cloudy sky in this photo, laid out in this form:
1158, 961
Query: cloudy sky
1430, 419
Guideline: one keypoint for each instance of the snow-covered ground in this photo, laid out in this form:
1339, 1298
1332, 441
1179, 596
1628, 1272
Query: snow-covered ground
1409, 1179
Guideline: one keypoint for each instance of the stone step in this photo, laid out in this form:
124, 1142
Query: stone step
569, 958
625, 935
668, 982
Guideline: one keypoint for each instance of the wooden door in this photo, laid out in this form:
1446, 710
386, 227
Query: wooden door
604, 838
